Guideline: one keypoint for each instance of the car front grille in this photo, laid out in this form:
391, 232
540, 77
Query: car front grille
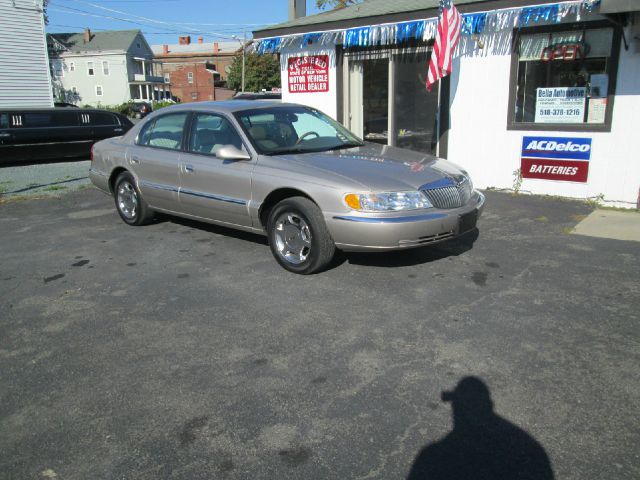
453, 196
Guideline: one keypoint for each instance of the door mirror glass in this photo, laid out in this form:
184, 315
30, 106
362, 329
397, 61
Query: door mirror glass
229, 152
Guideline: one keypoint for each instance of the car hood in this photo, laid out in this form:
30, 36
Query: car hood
380, 167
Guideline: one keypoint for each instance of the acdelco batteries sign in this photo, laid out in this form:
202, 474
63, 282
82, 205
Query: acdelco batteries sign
556, 158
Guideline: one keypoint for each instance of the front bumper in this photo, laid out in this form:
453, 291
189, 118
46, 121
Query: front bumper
400, 230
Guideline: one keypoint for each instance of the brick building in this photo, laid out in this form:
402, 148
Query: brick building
197, 71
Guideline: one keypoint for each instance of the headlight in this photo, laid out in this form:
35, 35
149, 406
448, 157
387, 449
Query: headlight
470, 182
386, 201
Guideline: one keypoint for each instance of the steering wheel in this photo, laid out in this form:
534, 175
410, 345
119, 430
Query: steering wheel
306, 134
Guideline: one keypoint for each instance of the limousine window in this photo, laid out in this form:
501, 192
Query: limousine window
36, 119
165, 132
4, 120
103, 118
64, 119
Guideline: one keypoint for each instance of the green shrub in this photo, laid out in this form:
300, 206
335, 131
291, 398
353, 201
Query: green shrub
162, 104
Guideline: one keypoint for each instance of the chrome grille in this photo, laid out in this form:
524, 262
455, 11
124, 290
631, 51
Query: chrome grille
453, 196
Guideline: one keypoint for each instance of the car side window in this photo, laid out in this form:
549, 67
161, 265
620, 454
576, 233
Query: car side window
103, 118
4, 120
37, 119
64, 119
210, 132
164, 132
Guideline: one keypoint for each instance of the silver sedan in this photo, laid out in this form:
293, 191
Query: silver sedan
287, 171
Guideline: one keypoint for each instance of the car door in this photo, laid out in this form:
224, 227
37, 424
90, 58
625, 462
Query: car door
155, 159
210, 187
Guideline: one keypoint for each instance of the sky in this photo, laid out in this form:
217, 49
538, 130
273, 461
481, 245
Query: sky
163, 21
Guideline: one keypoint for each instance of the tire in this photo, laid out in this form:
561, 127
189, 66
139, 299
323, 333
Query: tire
298, 237
131, 207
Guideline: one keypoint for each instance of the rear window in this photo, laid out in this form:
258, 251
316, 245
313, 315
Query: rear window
103, 118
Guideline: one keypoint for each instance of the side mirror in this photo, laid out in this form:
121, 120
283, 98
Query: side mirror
229, 152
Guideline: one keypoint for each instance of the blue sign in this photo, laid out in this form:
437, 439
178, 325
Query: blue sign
556, 147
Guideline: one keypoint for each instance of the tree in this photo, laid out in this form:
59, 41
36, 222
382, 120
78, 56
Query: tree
334, 4
262, 72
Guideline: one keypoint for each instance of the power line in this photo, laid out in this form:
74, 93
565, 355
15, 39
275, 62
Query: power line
146, 19
76, 11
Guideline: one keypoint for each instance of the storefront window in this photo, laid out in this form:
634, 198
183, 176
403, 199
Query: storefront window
415, 109
563, 78
387, 101
375, 99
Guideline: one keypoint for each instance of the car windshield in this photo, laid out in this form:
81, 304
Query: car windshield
294, 129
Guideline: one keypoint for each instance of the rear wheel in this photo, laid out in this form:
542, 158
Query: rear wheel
129, 202
298, 236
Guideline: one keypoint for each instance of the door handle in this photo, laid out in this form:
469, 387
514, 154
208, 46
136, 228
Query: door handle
5, 135
188, 168
117, 129
135, 159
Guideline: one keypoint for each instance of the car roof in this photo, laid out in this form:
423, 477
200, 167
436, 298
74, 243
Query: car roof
229, 106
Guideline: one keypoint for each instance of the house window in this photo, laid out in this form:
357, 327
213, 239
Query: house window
90, 71
563, 77
167, 78
99, 90
194, 95
58, 70
105, 67
72, 66
190, 77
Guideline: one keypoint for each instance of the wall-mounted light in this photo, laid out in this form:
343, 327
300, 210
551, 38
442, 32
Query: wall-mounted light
478, 41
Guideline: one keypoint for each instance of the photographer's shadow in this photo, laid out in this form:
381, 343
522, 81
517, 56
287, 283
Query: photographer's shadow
482, 445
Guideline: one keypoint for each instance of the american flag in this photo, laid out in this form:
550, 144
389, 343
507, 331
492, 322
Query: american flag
446, 40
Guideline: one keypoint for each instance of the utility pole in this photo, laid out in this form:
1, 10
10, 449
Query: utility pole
244, 44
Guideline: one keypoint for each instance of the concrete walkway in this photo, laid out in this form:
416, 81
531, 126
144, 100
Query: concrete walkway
612, 224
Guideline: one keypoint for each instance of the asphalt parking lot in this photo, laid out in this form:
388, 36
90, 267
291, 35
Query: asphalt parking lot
182, 350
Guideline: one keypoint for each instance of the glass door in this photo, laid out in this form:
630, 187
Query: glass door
415, 110
387, 102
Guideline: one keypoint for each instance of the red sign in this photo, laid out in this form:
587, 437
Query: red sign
564, 51
308, 74
551, 169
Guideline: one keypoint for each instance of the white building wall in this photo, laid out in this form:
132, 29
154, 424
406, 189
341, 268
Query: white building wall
326, 102
480, 141
24, 66
115, 85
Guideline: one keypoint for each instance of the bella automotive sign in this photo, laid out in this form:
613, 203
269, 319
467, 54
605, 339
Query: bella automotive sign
556, 158
308, 74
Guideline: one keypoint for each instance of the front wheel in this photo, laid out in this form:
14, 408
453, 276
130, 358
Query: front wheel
129, 202
298, 236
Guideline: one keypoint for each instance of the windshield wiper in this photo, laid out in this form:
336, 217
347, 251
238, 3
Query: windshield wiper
314, 150
347, 145
289, 150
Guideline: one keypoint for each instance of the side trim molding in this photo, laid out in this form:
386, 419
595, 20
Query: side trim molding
220, 198
169, 188
97, 172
